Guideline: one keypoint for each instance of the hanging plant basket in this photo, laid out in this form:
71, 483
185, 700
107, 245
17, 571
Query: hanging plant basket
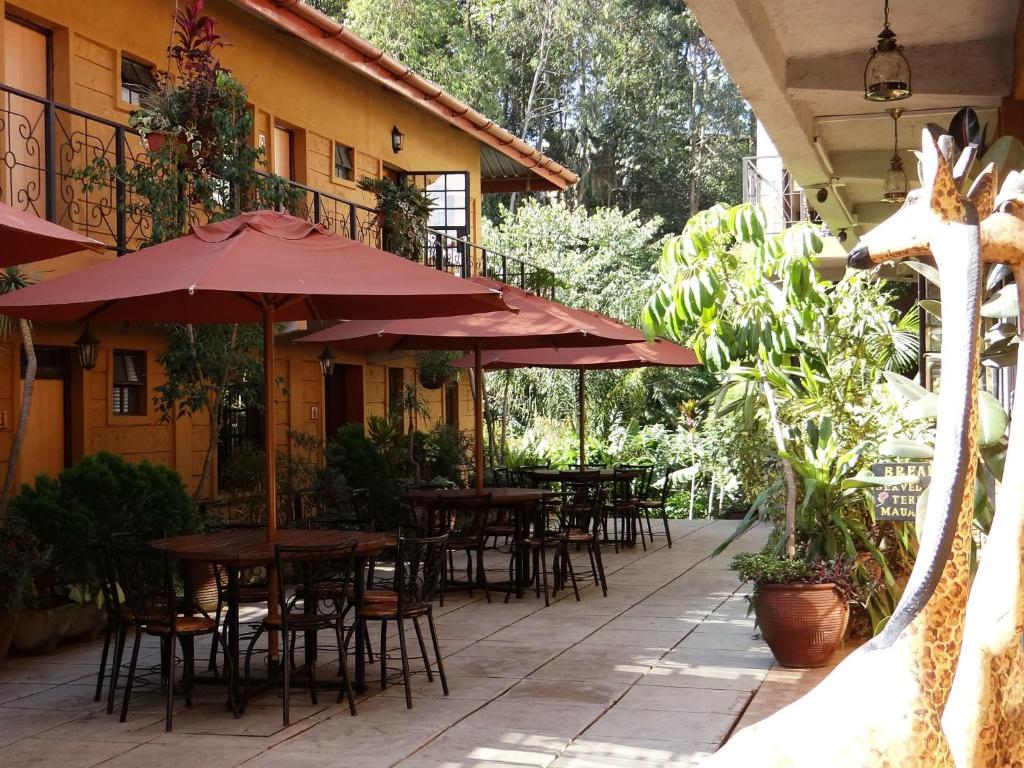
432, 379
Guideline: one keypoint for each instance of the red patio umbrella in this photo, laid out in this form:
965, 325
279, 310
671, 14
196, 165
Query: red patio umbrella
24, 237
637, 355
261, 267
539, 323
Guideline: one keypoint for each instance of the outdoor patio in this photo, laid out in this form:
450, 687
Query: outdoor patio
657, 673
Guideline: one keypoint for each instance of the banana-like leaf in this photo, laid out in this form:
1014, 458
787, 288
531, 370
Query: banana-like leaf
992, 419
932, 307
1003, 304
906, 449
927, 271
909, 390
925, 408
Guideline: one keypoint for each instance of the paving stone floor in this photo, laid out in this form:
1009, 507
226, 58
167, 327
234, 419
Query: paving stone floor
655, 674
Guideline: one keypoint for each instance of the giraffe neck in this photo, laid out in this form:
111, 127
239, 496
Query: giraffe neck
936, 632
929, 616
983, 719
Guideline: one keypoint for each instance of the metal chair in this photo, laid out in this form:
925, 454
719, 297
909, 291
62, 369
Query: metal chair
148, 579
659, 506
323, 574
419, 566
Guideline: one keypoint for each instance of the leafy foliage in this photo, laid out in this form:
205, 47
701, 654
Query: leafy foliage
101, 495
356, 458
404, 210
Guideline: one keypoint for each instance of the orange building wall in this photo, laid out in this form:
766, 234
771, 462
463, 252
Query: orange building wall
289, 83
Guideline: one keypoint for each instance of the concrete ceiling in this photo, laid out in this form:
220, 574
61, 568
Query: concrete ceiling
800, 64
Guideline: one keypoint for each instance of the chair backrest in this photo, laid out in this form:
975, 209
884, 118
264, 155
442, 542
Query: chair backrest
350, 514
643, 482
418, 565
622, 485
502, 477
667, 486
323, 573
463, 517
107, 569
147, 577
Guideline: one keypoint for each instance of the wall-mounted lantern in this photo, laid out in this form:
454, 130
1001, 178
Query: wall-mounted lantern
88, 347
397, 140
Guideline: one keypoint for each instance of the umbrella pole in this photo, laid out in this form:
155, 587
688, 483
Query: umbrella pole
583, 418
478, 414
270, 449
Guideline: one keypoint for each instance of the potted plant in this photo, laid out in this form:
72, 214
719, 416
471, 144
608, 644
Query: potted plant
802, 608
403, 212
435, 369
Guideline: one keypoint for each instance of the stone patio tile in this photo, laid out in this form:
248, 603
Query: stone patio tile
706, 676
258, 720
678, 699
462, 748
431, 713
46, 671
19, 723
78, 698
649, 724
726, 641
632, 753
43, 753
566, 693
10, 692
533, 717
679, 624
469, 687
501, 648
491, 666
99, 726
600, 671
174, 756
635, 637
358, 740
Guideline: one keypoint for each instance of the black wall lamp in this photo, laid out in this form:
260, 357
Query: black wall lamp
326, 362
88, 347
397, 140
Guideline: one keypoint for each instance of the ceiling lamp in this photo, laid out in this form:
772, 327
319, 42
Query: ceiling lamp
894, 183
887, 74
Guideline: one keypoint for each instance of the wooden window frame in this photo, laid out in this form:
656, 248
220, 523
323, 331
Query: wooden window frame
142, 385
349, 181
122, 103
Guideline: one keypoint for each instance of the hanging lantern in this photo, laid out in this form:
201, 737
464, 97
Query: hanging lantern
326, 362
887, 74
88, 347
894, 183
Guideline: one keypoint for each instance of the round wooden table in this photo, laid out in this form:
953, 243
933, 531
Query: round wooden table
234, 550
500, 497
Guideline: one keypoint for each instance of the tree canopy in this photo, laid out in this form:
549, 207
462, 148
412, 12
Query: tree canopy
628, 93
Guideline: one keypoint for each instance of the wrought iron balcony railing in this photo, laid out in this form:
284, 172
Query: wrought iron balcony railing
43, 144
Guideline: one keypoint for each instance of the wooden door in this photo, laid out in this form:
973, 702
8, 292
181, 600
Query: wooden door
26, 51
344, 389
44, 448
284, 148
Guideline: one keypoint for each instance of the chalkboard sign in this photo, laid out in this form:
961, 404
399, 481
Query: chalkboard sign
899, 502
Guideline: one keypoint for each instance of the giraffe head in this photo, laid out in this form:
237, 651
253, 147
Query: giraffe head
908, 232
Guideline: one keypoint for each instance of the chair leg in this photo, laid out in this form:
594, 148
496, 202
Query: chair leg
311, 673
423, 648
115, 669
187, 654
437, 651
111, 629
544, 573
248, 667
444, 579
131, 675
346, 691
469, 571
171, 664
668, 535
213, 646
572, 572
382, 654
229, 663
286, 682
481, 574
405, 662
600, 569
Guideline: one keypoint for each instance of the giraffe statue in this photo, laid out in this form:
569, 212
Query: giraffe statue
881, 707
984, 716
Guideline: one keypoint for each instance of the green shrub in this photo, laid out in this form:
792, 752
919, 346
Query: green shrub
449, 453
101, 495
22, 559
351, 455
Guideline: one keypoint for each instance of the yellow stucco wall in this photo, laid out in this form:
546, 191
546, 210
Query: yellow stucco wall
289, 84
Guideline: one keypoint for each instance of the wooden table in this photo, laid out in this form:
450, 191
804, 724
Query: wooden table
524, 503
605, 475
235, 550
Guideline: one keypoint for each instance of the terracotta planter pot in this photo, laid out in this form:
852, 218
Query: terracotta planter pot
7, 624
203, 583
179, 148
803, 624
42, 631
